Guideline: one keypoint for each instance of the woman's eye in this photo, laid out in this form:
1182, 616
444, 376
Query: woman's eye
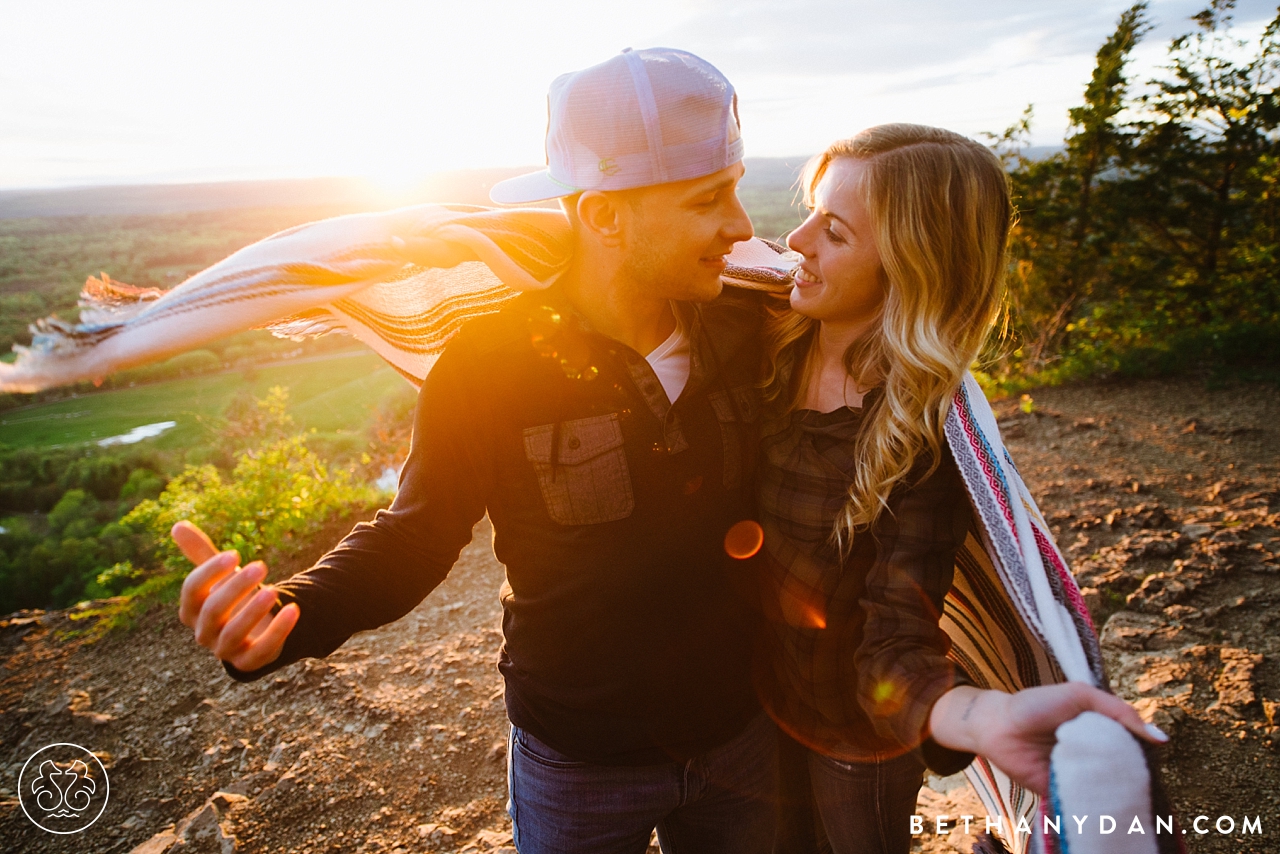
833, 237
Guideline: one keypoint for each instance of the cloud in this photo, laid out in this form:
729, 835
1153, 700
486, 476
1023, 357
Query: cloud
294, 88
813, 70
838, 37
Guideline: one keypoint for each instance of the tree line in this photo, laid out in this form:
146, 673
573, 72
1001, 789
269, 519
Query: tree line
1148, 243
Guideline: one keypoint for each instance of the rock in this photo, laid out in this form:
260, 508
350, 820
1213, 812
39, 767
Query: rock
1148, 515
277, 754
435, 833
1153, 543
956, 802
1235, 683
1158, 591
1181, 612
245, 785
1196, 530
223, 800
158, 844
1126, 630
458, 815
1159, 674
1162, 713
487, 840
58, 704
201, 832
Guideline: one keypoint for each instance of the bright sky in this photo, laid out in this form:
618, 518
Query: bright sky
136, 91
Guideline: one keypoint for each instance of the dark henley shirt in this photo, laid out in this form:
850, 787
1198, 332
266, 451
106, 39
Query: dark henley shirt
628, 630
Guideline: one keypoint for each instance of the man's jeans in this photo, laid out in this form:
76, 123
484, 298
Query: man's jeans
721, 801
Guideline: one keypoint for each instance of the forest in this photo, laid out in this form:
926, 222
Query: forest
1148, 244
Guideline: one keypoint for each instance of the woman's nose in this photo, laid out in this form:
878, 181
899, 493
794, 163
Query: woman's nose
798, 239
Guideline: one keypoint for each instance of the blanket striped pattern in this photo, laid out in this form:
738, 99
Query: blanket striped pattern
346, 274
1016, 619
1014, 613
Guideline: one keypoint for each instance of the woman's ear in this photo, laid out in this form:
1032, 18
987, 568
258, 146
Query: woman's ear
602, 216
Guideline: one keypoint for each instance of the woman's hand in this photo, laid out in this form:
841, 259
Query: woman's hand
1016, 732
228, 607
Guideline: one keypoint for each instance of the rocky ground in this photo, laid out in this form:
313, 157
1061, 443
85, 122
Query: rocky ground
1165, 496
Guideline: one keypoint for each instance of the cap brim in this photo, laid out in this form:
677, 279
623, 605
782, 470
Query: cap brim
534, 187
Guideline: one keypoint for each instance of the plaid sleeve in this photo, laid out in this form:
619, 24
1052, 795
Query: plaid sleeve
902, 663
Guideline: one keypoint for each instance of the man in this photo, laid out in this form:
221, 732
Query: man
605, 426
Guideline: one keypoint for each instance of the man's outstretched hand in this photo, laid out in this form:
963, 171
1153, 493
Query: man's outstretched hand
228, 607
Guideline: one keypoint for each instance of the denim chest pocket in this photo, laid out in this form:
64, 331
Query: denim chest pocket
586, 481
738, 411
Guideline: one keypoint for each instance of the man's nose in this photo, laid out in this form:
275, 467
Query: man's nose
739, 227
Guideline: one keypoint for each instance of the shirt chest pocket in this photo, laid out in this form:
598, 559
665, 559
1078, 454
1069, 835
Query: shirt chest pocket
738, 411
582, 469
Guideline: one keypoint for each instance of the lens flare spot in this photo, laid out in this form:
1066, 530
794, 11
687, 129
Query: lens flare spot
814, 618
888, 697
744, 539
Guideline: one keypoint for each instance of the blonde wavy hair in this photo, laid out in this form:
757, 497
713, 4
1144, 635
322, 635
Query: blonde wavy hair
940, 208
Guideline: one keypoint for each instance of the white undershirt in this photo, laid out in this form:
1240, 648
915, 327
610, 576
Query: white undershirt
670, 361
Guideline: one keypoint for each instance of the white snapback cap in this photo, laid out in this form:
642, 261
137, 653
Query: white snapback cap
643, 117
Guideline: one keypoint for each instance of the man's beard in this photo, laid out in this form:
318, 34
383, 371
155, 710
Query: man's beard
652, 274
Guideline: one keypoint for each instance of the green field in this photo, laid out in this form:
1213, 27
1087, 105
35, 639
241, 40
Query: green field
332, 394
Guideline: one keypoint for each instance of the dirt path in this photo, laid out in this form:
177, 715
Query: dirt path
1163, 494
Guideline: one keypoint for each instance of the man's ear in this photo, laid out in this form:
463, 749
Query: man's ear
603, 215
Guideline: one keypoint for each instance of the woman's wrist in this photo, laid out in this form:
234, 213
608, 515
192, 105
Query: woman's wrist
954, 721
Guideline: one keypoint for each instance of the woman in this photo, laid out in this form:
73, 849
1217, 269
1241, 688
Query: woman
862, 504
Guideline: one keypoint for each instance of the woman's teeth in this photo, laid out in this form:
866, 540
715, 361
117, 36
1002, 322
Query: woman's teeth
804, 275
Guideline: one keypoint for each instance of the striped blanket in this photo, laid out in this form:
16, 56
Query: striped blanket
1016, 620
391, 279
394, 281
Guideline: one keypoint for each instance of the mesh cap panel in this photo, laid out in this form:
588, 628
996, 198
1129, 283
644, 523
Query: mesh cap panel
643, 117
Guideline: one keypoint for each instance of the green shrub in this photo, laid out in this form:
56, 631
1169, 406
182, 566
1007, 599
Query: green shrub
110, 582
75, 505
276, 494
142, 483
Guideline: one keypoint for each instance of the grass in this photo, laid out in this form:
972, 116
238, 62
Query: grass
773, 211
332, 394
